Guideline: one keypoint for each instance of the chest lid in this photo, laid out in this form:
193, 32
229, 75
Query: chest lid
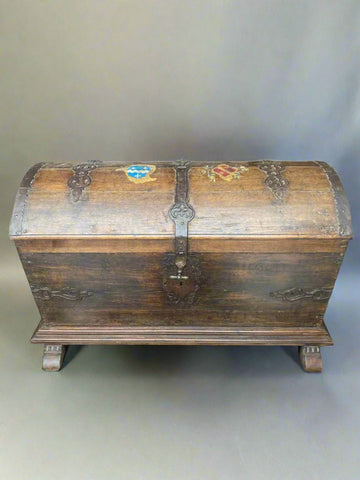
229, 199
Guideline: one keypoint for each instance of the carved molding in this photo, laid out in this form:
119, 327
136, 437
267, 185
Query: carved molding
81, 178
296, 293
67, 293
54, 349
311, 349
274, 180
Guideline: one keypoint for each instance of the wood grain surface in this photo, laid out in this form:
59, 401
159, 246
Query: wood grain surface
244, 206
235, 289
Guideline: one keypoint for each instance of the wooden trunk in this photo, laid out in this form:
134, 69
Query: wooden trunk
182, 252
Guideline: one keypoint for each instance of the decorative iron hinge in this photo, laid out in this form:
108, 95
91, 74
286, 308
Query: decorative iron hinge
181, 271
274, 180
81, 178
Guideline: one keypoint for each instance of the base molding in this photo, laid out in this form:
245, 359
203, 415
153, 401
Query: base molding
56, 338
101, 335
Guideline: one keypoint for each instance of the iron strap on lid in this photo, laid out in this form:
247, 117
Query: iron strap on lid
182, 271
181, 214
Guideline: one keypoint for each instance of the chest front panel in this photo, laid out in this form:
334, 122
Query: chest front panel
234, 288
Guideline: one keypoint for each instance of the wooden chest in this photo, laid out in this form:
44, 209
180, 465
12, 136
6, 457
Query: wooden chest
180, 252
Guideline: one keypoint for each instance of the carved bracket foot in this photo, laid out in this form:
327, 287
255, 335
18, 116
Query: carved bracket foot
53, 357
310, 358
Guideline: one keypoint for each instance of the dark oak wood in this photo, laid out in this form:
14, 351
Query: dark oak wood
267, 240
122, 244
230, 286
90, 334
112, 204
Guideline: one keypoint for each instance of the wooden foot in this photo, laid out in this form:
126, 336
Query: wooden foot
310, 358
53, 357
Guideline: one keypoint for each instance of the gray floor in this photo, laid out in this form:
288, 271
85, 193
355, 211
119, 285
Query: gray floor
177, 412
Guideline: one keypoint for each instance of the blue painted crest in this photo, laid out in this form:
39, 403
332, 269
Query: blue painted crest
138, 171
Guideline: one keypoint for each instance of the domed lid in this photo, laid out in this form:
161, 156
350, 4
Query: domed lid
229, 199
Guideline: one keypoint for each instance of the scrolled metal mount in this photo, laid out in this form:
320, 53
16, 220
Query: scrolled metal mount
274, 180
81, 178
182, 213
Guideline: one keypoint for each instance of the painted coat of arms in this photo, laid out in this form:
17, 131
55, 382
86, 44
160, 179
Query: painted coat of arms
224, 171
139, 173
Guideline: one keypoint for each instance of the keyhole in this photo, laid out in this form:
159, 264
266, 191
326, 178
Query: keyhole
180, 283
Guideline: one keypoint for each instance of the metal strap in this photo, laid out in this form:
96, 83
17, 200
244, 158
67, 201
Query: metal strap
181, 214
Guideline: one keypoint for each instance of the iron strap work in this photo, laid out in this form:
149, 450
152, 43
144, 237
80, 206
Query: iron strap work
181, 214
181, 270
81, 178
274, 180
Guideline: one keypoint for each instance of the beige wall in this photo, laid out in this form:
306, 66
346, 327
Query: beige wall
147, 80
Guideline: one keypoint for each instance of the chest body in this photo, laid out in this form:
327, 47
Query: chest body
182, 253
